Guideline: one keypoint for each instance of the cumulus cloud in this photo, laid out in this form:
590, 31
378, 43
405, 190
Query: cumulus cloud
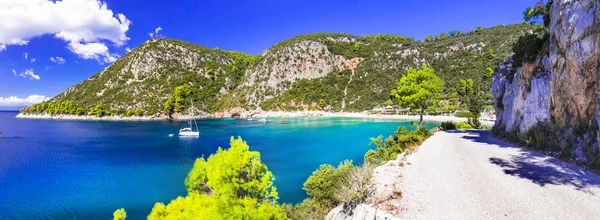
16, 101
57, 60
127, 49
155, 34
97, 51
77, 22
33, 60
28, 73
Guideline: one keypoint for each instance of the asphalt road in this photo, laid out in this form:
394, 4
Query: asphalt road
471, 175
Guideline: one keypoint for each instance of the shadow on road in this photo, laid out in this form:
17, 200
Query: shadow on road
534, 166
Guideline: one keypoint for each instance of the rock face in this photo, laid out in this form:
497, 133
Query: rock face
282, 66
559, 91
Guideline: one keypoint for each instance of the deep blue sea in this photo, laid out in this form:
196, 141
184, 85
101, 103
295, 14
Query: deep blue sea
86, 169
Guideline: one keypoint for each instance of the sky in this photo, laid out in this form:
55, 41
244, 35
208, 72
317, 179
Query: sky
47, 46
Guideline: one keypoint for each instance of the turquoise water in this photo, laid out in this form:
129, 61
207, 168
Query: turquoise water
87, 169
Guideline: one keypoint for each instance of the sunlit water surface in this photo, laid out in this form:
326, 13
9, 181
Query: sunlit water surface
87, 169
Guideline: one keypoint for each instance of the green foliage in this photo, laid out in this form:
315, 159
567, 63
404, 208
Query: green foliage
539, 14
419, 89
490, 55
449, 125
230, 184
464, 114
120, 214
177, 102
443, 36
389, 102
323, 188
323, 182
463, 125
322, 103
401, 141
54, 108
138, 112
528, 47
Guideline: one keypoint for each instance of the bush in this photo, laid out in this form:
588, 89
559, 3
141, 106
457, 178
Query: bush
324, 187
324, 182
423, 132
463, 125
356, 188
464, 115
449, 125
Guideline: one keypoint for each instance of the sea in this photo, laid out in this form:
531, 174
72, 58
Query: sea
58, 169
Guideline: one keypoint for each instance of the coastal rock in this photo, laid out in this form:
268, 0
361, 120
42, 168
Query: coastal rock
560, 88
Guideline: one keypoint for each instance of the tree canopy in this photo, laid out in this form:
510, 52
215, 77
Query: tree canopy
230, 184
419, 89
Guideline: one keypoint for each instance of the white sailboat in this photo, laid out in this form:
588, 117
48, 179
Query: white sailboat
189, 131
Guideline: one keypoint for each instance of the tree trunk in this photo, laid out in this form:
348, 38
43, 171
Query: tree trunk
421, 119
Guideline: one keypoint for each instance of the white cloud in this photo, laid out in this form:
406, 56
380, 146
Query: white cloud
156, 34
97, 51
16, 101
74, 21
33, 60
57, 60
28, 73
26, 55
127, 49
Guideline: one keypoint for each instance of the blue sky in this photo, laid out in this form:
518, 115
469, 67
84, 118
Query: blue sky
84, 36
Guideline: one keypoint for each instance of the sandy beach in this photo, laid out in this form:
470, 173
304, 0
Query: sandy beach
265, 114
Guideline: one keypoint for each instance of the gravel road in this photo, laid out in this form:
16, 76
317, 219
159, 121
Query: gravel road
471, 175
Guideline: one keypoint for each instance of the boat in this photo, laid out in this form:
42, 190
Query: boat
189, 131
264, 120
171, 135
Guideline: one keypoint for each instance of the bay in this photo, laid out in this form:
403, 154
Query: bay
87, 169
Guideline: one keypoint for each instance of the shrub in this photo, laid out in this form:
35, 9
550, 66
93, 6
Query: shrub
356, 188
324, 182
423, 132
464, 115
449, 125
463, 125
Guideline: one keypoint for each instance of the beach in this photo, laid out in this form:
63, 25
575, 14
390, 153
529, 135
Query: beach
254, 114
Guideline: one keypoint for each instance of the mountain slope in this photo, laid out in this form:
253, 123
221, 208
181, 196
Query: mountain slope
146, 76
340, 72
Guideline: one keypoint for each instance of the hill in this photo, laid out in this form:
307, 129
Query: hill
337, 72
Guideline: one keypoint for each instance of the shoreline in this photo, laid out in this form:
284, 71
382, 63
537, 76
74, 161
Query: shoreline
435, 118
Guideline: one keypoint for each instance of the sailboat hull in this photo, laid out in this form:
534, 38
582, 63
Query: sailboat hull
189, 133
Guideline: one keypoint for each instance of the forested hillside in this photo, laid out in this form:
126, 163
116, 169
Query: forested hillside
337, 72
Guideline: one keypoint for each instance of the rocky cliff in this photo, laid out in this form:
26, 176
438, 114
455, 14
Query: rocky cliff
552, 103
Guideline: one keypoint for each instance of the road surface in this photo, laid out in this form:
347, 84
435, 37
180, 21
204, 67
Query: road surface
471, 175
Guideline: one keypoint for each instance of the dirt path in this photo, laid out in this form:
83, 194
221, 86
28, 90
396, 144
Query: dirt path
471, 175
